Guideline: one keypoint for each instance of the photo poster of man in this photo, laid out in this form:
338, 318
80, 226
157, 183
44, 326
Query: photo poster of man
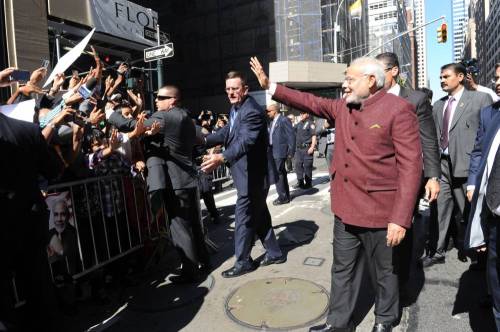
63, 249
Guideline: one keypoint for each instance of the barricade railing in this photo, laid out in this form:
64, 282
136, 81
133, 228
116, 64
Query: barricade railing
221, 173
96, 221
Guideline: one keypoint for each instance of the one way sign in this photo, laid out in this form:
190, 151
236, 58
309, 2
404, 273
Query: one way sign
159, 52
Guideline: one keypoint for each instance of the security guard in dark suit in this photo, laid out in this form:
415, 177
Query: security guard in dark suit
172, 176
306, 143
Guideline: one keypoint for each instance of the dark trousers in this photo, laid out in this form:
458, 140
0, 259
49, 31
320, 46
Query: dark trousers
350, 244
23, 254
303, 165
186, 230
208, 198
252, 218
282, 182
289, 164
493, 263
205, 185
452, 197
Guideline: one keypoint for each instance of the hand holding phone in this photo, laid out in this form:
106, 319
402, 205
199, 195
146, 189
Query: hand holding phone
20, 76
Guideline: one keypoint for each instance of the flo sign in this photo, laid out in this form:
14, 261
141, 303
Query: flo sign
123, 19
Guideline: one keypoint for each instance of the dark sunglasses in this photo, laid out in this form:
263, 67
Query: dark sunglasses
159, 97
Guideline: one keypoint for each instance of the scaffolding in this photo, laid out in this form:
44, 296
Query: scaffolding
298, 30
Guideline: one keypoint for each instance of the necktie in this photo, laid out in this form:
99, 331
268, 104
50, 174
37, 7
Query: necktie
232, 117
493, 188
271, 130
446, 123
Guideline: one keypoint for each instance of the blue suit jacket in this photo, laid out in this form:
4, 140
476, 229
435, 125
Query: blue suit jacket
283, 138
246, 149
488, 126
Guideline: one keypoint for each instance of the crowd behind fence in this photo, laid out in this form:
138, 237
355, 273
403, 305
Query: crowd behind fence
96, 221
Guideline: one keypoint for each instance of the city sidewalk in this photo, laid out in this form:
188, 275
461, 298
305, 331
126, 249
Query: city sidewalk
290, 294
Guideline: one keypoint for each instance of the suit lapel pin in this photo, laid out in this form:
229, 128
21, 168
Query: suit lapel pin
375, 126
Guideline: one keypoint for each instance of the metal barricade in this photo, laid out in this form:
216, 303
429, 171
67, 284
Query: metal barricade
106, 218
221, 173
96, 221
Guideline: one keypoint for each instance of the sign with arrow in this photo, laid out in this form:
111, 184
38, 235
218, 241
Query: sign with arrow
159, 52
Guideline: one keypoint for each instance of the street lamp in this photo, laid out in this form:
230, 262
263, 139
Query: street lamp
336, 29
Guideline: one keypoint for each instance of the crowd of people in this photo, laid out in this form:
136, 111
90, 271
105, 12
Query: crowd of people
386, 146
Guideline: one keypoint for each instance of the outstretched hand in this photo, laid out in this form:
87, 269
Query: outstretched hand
259, 72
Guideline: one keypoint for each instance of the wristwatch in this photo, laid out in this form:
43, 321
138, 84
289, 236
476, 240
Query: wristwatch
434, 178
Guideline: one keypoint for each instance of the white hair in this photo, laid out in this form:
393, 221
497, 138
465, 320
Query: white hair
371, 66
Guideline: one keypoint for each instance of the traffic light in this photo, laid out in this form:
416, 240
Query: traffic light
442, 33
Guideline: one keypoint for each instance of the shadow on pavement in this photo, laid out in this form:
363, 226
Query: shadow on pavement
472, 290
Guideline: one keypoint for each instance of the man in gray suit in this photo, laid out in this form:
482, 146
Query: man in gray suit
172, 177
457, 120
430, 148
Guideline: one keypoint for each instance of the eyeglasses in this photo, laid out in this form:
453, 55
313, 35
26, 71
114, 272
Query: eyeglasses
159, 97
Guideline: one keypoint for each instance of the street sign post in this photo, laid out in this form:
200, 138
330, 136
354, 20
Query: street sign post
150, 34
159, 52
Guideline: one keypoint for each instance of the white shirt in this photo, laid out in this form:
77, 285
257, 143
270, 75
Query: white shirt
395, 89
457, 96
489, 165
476, 232
492, 93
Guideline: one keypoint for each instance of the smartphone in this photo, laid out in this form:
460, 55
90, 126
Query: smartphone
20, 75
84, 92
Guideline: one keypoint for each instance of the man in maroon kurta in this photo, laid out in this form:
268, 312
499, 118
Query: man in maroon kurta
376, 175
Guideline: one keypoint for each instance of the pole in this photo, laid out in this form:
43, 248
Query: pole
404, 33
336, 29
58, 45
159, 63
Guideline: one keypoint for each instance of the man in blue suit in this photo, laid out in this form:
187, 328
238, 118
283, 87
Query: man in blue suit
483, 189
246, 142
282, 144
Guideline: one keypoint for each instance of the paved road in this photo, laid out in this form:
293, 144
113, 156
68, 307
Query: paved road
446, 295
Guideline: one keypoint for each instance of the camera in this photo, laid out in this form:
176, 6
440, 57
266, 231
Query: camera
471, 66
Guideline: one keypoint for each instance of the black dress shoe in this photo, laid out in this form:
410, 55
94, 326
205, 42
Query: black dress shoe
268, 261
298, 185
307, 186
238, 271
278, 201
380, 327
461, 256
321, 328
429, 261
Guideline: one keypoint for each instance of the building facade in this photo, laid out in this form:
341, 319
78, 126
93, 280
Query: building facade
298, 30
421, 40
459, 15
387, 19
352, 35
491, 50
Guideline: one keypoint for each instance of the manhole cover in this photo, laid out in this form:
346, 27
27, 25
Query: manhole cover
164, 295
290, 235
277, 304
